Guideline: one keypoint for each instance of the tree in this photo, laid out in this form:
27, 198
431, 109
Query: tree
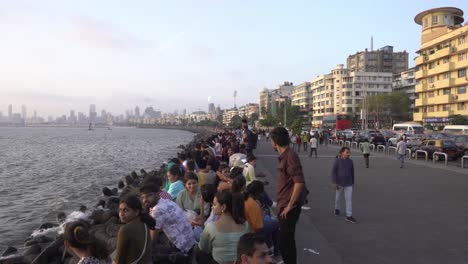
269, 121
253, 117
458, 120
236, 121
385, 107
219, 118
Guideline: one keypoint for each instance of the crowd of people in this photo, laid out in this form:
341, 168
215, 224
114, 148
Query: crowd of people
209, 207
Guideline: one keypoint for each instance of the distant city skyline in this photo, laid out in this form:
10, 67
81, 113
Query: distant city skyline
63, 55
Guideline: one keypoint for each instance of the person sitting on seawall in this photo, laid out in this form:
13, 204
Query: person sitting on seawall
252, 249
157, 180
249, 169
252, 210
174, 175
270, 229
173, 235
85, 246
133, 240
220, 238
190, 200
205, 174
208, 192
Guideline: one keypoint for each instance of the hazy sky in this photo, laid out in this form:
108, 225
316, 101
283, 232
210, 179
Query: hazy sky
61, 55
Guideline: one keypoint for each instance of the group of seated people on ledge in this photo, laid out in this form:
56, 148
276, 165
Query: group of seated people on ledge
210, 208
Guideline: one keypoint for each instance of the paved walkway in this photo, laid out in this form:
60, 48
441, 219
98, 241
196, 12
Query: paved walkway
413, 215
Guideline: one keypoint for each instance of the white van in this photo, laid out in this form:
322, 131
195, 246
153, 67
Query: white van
456, 129
409, 128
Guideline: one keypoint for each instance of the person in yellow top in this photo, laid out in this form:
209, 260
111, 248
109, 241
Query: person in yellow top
249, 169
305, 140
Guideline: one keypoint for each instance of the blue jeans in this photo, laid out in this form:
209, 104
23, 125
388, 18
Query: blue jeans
271, 231
402, 159
348, 195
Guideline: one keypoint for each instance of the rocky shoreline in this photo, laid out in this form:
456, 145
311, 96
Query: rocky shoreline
45, 245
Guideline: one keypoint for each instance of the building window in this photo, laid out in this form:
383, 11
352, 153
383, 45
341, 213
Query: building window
461, 90
446, 107
461, 73
430, 95
430, 109
426, 22
447, 91
431, 79
446, 60
462, 56
435, 20
462, 40
461, 106
431, 65
447, 75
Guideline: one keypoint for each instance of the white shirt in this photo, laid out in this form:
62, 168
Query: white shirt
170, 218
401, 148
313, 142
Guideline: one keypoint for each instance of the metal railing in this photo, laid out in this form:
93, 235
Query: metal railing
439, 154
330, 141
381, 147
340, 142
462, 161
389, 148
420, 151
354, 143
347, 143
373, 147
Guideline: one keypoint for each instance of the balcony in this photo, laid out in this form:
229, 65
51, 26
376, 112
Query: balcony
421, 87
421, 74
442, 99
460, 64
439, 69
438, 114
460, 81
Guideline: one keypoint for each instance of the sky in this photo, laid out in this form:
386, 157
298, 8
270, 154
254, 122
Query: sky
182, 54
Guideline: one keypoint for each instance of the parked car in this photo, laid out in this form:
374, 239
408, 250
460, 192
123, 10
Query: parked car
446, 146
417, 138
462, 144
373, 137
388, 134
344, 135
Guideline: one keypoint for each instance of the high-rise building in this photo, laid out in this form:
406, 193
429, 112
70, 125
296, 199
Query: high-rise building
442, 65
184, 112
302, 97
211, 108
269, 99
72, 118
406, 82
92, 113
137, 112
10, 112
342, 92
381, 60
23, 112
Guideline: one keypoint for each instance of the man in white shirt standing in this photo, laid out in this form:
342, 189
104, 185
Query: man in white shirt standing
401, 151
313, 146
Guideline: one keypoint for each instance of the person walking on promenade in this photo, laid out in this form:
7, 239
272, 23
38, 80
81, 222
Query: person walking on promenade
298, 143
342, 181
313, 146
326, 137
365, 151
291, 193
304, 141
401, 151
293, 142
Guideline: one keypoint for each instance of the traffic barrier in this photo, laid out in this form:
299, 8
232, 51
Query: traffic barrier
462, 161
420, 151
354, 143
409, 153
442, 154
389, 148
379, 147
